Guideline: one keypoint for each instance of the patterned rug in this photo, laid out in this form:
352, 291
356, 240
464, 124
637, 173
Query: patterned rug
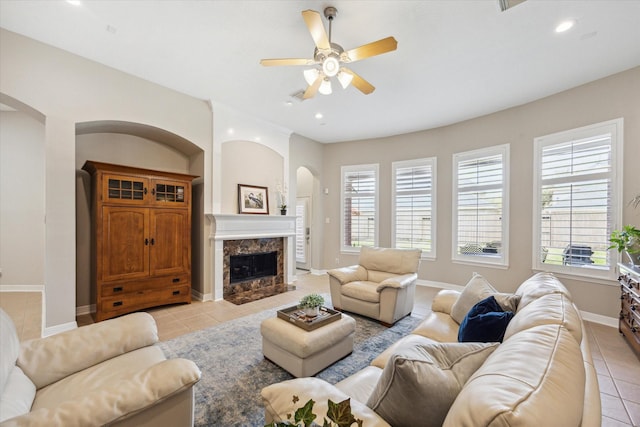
234, 369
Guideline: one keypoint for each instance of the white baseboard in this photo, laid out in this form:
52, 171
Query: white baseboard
600, 319
442, 285
53, 330
317, 272
21, 288
200, 296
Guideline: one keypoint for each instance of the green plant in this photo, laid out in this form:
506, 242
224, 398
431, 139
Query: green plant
625, 239
310, 301
283, 207
338, 414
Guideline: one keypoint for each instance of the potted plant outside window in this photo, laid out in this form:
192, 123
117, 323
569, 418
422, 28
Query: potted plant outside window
311, 304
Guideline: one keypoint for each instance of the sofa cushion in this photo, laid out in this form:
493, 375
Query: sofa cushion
69, 353
485, 322
439, 327
17, 395
10, 347
535, 378
539, 285
409, 341
433, 373
551, 309
477, 289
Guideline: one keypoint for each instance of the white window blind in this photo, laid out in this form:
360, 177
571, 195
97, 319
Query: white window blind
481, 205
575, 203
413, 201
359, 206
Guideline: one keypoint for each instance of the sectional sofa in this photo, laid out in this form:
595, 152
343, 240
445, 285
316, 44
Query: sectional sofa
542, 373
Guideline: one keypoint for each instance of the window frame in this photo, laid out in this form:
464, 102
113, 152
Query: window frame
432, 163
615, 128
501, 261
344, 170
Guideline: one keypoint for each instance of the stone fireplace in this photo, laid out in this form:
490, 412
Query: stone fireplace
244, 235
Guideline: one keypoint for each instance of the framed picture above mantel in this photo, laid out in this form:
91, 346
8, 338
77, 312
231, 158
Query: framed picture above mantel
253, 199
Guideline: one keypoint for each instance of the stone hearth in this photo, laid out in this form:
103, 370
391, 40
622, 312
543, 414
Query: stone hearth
254, 289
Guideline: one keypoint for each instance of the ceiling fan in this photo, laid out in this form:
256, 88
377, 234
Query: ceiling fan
329, 57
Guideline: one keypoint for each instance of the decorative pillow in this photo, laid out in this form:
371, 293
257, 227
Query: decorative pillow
485, 322
432, 375
475, 291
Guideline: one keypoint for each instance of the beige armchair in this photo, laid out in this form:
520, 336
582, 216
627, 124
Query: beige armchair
382, 285
108, 373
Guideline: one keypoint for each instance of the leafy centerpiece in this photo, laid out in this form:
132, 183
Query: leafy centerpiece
311, 304
627, 241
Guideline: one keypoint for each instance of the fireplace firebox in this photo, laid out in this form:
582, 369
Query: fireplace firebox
252, 266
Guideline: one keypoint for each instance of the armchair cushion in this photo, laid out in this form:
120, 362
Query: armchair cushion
396, 261
362, 290
434, 372
78, 349
397, 282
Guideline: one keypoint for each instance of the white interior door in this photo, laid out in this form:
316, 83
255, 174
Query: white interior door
303, 233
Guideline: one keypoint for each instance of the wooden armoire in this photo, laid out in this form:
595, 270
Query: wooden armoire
141, 238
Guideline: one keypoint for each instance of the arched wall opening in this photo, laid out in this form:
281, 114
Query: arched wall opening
143, 146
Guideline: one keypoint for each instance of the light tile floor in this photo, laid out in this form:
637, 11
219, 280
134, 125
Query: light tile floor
617, 366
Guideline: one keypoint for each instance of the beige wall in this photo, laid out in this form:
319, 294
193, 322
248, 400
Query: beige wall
22, 229
609, 98
67, 90
249, 163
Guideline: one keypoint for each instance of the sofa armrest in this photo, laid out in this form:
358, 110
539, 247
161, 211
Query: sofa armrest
107, 405
78, 349
397, 282
444, 300
278, 401
349, 274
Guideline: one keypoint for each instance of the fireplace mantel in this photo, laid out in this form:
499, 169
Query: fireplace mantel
233, 227
238, 227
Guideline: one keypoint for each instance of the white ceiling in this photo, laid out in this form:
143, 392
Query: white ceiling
455, 59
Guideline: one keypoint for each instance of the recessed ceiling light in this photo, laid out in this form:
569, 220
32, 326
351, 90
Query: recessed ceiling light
74, 2
230, 131
319, 116
565, 25
256, 139
288, 103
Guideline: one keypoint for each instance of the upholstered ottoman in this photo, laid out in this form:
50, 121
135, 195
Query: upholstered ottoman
305, 353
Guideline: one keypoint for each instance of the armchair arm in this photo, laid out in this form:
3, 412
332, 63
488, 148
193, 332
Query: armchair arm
349, 274
78, 349
444, 300
106, 405
397, 282
278, 401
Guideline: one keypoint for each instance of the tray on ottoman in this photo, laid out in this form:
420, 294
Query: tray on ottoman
298, 318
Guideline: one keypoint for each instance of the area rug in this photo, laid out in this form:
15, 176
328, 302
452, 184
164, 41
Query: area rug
234, 369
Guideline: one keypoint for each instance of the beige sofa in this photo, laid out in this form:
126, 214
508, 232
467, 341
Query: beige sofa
542, 373
108, 373
381, 286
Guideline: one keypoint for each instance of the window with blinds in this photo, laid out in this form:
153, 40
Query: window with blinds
359, 222
413, 213
575, 199
481, 205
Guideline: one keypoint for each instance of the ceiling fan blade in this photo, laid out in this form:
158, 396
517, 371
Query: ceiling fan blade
361, 84
316, 28
313, 89
372, 49
286, 61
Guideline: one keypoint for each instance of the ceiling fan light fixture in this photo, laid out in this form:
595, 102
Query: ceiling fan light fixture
325, 87
330, 66
310, 75
344, 79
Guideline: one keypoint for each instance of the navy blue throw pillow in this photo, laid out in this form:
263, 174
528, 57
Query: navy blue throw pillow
485, 322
